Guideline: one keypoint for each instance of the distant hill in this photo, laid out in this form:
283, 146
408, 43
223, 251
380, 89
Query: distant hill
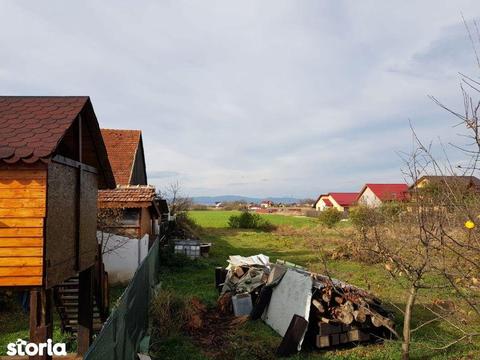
211, 200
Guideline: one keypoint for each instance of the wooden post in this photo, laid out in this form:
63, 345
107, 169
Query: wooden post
41, 323
85, 311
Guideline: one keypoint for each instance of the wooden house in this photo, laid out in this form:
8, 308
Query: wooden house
140, 211
52, 161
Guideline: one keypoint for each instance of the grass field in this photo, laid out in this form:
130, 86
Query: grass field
297, 240
14, 323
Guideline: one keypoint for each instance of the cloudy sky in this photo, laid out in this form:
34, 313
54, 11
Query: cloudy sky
259, 98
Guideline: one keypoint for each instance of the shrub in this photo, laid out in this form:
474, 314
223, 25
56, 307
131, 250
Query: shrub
187, 226
169, 312
248, 220
391, 210
330, 217
363, 217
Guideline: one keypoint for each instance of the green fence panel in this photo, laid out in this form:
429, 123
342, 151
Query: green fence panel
125, 328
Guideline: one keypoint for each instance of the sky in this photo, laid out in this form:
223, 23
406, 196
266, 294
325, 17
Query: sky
255, 98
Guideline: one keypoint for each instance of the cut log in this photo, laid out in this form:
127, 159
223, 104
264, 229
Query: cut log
318, 305
360, 315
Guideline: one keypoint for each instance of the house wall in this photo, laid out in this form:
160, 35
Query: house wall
145, 222
368, 198
122, 255
336, 205
22, 215
320, 205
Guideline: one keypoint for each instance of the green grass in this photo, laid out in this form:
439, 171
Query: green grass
196, 278
14, 323
219, 219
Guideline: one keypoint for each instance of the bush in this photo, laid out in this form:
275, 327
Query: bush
169, 312
248, 220
330, 217
363, 217
187, 226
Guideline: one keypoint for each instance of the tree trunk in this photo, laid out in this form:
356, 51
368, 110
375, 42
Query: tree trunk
407, 322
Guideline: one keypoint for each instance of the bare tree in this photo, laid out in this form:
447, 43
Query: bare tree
108, 224
177, 201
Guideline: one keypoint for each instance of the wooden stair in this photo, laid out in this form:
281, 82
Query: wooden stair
66, 302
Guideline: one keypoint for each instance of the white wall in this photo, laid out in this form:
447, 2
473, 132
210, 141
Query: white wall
368, 198
122, 256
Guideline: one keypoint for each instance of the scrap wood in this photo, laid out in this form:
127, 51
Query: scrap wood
293, 337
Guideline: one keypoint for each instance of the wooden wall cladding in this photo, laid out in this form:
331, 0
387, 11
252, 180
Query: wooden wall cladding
61, 224
72, 214
88, 220
22, 214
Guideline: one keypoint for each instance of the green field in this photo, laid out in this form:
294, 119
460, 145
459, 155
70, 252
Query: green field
302, 241
219, 219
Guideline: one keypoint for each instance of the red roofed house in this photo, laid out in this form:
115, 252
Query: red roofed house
374, 195
338, 200
140, 212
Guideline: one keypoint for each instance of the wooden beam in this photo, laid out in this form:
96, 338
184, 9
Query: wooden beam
85, 310
41, 320
21, 281
32, 212
21, 222
21, 242
23, 261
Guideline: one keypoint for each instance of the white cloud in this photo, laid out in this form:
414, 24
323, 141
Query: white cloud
253, 97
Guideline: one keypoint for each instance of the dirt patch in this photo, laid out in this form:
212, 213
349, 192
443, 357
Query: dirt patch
211, 329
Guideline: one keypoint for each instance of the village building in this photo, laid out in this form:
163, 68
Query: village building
134, 210
373, 195
341, 201
52, 161
461, 183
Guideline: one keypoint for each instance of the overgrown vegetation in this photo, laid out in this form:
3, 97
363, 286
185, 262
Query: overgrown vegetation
330, 217
306, 242
248, 220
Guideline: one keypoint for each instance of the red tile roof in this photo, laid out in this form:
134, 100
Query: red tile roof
327, 202
122, 148
31, 127
386, 192
344, 199
126, 196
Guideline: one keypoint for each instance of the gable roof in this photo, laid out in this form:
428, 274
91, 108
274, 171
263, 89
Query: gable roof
125, 196
387, 192
327, 202
32, 128
122, 147
344, 199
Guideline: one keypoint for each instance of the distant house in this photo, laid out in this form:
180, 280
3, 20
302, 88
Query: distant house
322, 203
266, 204
454, 182
338, 200
373, 195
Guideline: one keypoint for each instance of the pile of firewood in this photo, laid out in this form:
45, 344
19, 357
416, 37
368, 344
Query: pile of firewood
342, 313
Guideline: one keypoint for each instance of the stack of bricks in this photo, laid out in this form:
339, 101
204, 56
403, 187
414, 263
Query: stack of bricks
334, 334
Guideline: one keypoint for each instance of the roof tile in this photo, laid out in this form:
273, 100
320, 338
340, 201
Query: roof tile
31, 127
121, 147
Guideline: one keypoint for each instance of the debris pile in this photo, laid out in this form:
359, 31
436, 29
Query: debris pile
301, 305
